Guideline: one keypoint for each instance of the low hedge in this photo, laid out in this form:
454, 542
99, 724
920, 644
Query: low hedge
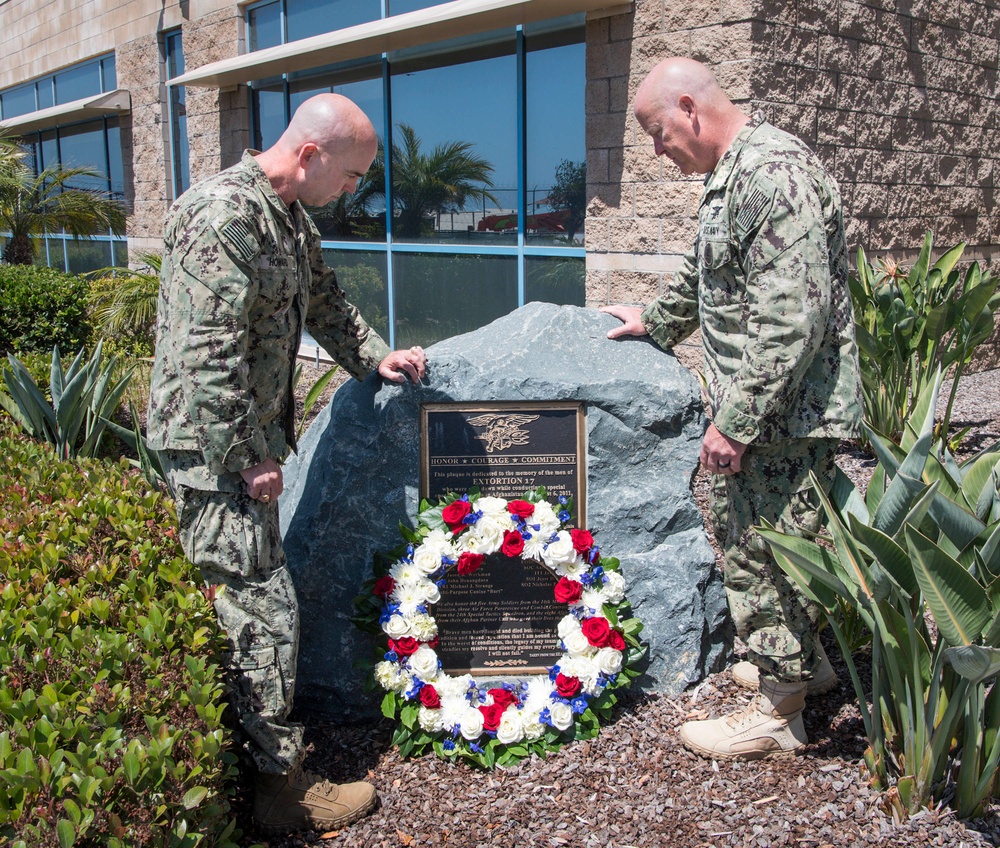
42, 307
111, 727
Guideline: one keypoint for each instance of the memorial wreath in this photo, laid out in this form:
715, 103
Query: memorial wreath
502, 722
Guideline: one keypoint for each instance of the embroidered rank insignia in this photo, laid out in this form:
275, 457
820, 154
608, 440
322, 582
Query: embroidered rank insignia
238, 234
750, 213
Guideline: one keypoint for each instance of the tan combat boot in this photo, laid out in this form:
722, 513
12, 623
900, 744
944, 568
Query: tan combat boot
285, 803
824, 678
770, 727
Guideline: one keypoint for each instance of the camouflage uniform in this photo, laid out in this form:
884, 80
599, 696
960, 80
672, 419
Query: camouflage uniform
767, 285
242, 273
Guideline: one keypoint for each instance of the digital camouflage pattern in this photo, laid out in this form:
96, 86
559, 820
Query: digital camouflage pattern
767, 284
236, 541
242, 273
777, 622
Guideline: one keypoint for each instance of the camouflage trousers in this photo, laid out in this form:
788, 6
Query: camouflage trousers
236, 542
777, 622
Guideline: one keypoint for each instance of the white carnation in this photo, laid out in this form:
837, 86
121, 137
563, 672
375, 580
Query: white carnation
454, 687
471, 725
533, 728
583, 669
510, 729
608, 660
424, 663
396, 627
409, 596
614, 587
430, 720
561, 715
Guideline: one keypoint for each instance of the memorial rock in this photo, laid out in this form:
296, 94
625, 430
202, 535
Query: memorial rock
357, 475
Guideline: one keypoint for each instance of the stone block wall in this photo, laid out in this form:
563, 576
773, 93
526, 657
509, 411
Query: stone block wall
898, 99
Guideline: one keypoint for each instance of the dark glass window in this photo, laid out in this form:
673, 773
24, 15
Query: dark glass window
362, 274
555, 279
312, 17
264, 26
177, 111
76, 83
109, 73
269, 113
438, 295
401, 7
19, 101
83, 146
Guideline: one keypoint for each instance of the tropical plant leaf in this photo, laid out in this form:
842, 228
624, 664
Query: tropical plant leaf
974, 662
957, 601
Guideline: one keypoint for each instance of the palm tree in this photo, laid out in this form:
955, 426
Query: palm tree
31, 204
123, 301
426, 184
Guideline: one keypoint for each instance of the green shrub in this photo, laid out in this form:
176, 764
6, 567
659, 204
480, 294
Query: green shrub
918, 558
42, 308
111, 728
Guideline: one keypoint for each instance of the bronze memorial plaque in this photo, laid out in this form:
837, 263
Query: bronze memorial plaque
501, 619
506, 449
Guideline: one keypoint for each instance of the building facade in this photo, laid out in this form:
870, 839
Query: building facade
516, 170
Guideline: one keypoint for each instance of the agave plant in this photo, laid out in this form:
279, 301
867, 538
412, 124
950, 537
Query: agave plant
918, 558
84, 396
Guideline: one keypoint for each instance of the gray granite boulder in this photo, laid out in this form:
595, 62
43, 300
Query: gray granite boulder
357, 476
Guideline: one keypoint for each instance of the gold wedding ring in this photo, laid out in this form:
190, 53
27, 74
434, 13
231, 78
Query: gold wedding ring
265, 498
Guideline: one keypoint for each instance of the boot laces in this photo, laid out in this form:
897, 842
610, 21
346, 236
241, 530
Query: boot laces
753, 708
317, 783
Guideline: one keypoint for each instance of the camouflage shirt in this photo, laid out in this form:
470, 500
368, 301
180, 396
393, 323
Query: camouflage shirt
767, 283
242, 272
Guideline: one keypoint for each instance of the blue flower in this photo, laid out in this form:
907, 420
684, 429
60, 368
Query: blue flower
473, 517
563, 516
448, 745
579, 705
587, 579
391, 656
554, 671
545, 717
563, 500
476, 749
592, 556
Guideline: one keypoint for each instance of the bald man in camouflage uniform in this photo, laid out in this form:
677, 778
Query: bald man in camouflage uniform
766, 283
242, 274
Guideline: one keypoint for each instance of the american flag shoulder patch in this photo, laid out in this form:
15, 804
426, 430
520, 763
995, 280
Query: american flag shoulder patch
750, 212
238, 235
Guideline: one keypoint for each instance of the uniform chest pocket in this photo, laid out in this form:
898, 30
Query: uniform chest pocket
278, 278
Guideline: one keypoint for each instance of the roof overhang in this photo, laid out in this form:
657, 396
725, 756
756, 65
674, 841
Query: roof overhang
413, 29
115, 102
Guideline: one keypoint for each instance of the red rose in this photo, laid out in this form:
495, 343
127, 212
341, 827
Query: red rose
503, 697
616, 640
434, 642
582, 540
568, 591
513, 543
567, 687
596, 630
491, 716
384, 586
429, 697
469, 562
454, 513
405, 646
522, 509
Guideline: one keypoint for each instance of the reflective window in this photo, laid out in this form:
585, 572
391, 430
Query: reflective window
83, 255
177, 113
264, 26
556, 148
312, 17
437, 295
362, 275
269, 113
76, 83
401, 7
555, 279
454, 152
83, 146
109, 74
18, 101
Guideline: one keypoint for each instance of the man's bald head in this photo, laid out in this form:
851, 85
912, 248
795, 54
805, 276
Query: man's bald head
330, 121
692, 121
323, 153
